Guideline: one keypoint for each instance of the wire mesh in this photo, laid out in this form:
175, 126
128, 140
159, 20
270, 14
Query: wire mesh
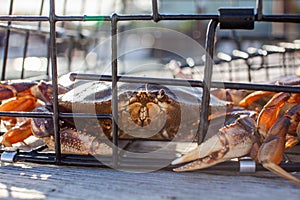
52, 35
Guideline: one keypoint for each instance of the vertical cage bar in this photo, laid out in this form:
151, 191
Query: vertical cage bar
64, 12
70, 52
155, 13
249, 70
294, 60
264, 64
230, 71
284, 64
48, 41
24, 54
41, 12
52, 18
259, 9
5, 51
114, 65
79, 26
209, 46
48, 56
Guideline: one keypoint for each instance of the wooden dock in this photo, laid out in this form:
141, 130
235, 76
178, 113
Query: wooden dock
33, 181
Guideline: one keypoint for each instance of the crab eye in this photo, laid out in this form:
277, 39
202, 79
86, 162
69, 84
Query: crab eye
161, 94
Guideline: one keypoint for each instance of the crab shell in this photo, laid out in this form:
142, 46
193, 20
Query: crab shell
144, 110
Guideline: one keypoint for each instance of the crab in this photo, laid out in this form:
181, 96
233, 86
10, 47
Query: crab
146, 111
157, 112
22, 96
264, 138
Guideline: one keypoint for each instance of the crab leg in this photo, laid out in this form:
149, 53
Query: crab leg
71, 140
14, 88
24, 97
271, 151
254, 96
76, 142
7, 92
234, 96
270, 112
24, 103
232, 141
17, 134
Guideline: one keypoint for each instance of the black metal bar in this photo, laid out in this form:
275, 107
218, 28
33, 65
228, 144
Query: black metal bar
50, 115
85, 115
236, 18
82, 6
188, 17
23, 18
26, 114
249, 70
186, 82
53, 57
41, 12
6, 46
48, 56
133, 79
114, 65
288, 18
230, 71
70, 52
24, 54
138, 17
204, 113
155, 14
64, 12
108, 18
259, 9
264, 64
284, 65
253, 86
83, 160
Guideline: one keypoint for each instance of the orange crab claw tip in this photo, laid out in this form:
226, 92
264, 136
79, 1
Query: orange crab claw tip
276, 169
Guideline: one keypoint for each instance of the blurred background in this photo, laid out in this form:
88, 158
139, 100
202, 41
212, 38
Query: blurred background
146, 45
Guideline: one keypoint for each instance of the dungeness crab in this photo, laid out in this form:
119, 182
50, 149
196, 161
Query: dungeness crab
158, 112
146, 111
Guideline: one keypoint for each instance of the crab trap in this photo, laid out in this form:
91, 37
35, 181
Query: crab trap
60, 36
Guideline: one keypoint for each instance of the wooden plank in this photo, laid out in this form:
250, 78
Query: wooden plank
31, 181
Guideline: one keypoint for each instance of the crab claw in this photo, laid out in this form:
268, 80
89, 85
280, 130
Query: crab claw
234, 140
17, 134
254, 96
9, 89
271, 151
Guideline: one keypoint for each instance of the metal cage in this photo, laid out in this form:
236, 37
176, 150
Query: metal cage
226, 19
